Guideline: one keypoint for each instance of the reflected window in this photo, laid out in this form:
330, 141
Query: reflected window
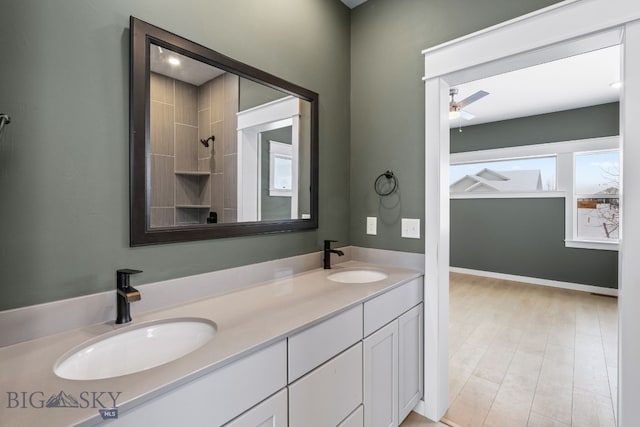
280, 169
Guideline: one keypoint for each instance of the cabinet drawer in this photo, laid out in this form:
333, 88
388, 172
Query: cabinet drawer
217, 397
354, 420
314, 346
270, 413
327, 395
390, 305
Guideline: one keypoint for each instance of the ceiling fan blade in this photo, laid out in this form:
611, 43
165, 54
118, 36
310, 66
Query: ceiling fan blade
466, 115
472, 98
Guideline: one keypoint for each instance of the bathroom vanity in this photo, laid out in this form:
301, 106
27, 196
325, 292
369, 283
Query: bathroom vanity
304, 350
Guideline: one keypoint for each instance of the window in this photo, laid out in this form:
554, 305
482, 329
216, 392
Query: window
586, 173
596, 197
504, 176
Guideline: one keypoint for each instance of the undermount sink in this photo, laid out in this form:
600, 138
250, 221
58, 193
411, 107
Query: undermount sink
135, 349
357, 276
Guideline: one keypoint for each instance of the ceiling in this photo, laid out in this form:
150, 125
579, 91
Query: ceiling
353, 3
185, 69
573, 82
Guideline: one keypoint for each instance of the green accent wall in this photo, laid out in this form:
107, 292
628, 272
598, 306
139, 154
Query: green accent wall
525, 237
387, 102
64, 185
64, 159
253, 94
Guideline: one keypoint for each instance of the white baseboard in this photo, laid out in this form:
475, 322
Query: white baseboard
420, 408
537, 281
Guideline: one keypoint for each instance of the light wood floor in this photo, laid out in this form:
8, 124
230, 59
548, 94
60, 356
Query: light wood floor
526, 355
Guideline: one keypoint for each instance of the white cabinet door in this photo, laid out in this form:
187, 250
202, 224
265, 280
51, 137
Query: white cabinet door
328, 394
410, 360
381, 377
270, 413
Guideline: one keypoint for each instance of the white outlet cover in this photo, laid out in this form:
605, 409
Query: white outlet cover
372, 223
410, 228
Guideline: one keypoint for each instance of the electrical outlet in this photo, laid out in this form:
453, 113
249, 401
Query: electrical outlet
372, 223
410, 228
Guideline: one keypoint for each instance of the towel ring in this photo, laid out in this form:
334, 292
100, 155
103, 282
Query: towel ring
381, 186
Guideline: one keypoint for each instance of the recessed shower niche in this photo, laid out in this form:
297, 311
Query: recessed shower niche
193, 166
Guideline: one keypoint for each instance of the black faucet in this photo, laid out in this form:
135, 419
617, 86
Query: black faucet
125, 294
327, 253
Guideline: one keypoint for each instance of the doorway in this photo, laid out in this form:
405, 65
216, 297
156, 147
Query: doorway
518, 351
569, 28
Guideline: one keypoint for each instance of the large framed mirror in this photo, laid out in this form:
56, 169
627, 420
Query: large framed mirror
218, 148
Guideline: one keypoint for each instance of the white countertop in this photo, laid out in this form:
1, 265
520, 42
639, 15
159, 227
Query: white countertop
246, 320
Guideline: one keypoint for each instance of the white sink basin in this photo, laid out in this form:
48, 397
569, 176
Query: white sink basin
135, 349
357, 276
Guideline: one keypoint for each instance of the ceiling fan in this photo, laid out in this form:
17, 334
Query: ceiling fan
456, 108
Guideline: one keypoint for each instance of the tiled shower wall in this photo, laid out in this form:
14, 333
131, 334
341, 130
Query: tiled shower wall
181, 115
217, 109
162, 150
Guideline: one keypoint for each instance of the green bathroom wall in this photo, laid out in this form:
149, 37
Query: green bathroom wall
64, 159
525, 237
387, 102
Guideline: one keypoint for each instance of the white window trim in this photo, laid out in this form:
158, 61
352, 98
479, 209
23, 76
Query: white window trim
571, 232
536, 150
591, 244
504, 195
565, 177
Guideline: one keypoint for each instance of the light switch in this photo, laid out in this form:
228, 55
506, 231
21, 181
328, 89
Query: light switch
410, 228
372, 223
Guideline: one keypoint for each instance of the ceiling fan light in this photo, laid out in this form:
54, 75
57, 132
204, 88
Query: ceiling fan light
454, 114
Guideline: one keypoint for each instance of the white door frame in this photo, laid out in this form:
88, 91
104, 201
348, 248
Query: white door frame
564, 29
251, 123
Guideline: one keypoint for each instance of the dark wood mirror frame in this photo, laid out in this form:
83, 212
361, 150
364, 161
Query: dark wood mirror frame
142, 35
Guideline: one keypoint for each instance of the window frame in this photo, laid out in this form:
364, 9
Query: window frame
574, 241
565, 152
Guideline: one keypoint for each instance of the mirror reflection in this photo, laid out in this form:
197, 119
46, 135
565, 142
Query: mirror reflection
222, 148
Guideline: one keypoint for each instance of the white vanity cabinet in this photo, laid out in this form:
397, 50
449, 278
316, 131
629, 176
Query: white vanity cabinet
356, 419
381, 377
361, 367
218, 397
410, 363
273, 412
317, 344
393, 355
327, 395
325, 370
